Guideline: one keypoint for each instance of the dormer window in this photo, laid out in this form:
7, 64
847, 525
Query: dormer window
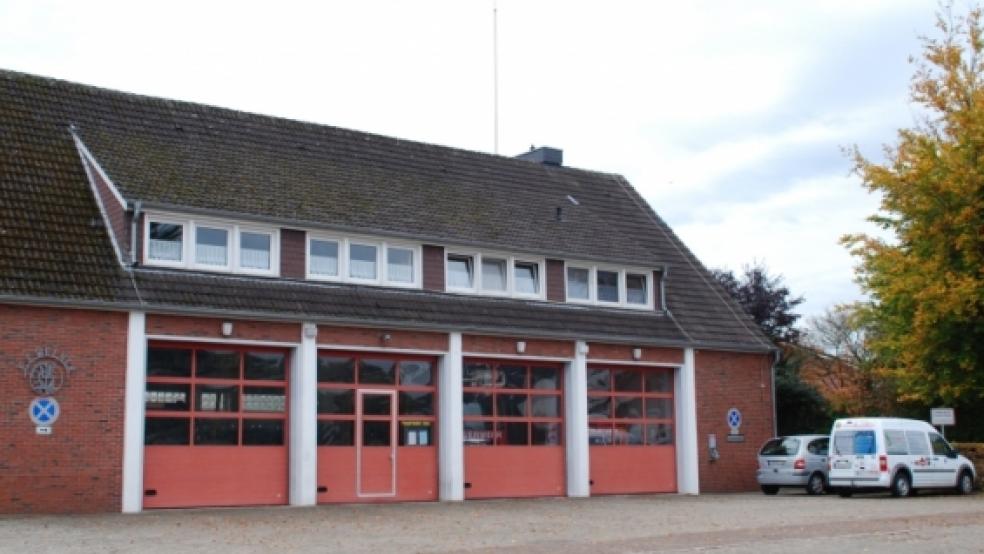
362, 261
526, 277
323, 258
165, 242
609, 286
461, 272
255, 250
494, 274
636, 291
578, 283
211, 245
399, 265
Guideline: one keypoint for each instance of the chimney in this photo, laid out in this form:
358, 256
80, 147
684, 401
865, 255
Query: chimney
543, 155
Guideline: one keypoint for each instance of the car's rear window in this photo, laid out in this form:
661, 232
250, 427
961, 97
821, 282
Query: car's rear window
854, 442
783, 446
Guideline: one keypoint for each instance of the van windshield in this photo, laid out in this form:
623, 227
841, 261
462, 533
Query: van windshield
854, 442
783, 446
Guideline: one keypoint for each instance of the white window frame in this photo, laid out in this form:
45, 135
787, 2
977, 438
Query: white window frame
623, 302
382, 262
418, 262
185, 239
342, 257
476, 271
349, 243
189, 235
592, 291
511, 259
230, 239
274, 234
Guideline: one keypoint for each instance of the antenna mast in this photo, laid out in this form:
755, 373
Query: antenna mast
495, 76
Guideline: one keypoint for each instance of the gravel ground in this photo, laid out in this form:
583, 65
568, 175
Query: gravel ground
732, 523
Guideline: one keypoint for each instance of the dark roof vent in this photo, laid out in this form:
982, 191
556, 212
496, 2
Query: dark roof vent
543, 155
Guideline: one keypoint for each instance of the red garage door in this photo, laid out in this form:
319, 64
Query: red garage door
630, 430
376, 427
215, 427
513, 429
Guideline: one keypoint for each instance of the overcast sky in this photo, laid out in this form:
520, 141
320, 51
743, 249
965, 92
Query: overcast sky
728, 116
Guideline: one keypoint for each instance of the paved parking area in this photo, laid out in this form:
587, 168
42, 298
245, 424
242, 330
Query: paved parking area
728, 523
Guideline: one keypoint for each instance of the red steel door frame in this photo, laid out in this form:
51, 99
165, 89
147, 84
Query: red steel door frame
364, 460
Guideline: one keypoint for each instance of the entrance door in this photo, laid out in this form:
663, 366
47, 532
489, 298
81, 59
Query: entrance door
375, 444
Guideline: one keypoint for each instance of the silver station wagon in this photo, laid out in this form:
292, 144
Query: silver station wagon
794, 461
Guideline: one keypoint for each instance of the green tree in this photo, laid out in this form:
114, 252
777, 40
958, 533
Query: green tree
926, 281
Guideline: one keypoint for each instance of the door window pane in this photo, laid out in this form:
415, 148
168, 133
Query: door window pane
168, 362
399, 265
415, 373
545, 378
264, 366
918, 446
336, 370
478, 433
659, 433
211, 246
160, 396
608, 286
635, 289
167, 430
512, 377
165, 242
362, 261
323, 258
217, 431
217, 364
477, 375
511, 405
659, 408
599, 380
335, 433
477, 404
526, 277
627, 380
513, 433
336, 401
377, 371
263, 432
416, 403
546, 433
264, 399
545, 406
416, 433
216, 398
659, 380
460, 272
375, 433
376, 404
493, 274
254, 250
939, 445
577, 283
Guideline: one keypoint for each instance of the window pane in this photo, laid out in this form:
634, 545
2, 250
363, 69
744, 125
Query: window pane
416, 433
168, 362
546, 433
167, 430
659, 380
493, 274
939, 445
211, 246
918, 446
399, 265
511, 405
161, 396
513, 433
376, 404
894, 442
362, 261
526, 276
217, 431
477, 375
335, 433
165, 242
512, 377
264, 399
545, 406
627, 434
659, 433
265, 366
599, 434
659, 408
377, 371
375, 433
627, 380
628, 407
324, 257
545, 378
460, 272
635, 289
415, 373
608, 286
335, 401
577, 283
416, 403
599, 380
599, 407
217, 364
262, 432
212, 398
477, 404
478, 433
254, 250
336, 370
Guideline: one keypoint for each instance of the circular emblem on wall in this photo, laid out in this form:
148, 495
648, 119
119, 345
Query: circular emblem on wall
46, 370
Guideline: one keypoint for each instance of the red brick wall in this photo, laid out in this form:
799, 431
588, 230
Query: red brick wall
78, 467
433, 267
292, 253
356, 336
507, 345
556, 287
726, 380
623, 352
209, 327
118, 220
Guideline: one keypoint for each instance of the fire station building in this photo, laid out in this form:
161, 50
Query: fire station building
204, 307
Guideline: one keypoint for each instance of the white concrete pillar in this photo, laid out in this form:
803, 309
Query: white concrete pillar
304, 419
685, 383
133, 413
451, 450
576, 422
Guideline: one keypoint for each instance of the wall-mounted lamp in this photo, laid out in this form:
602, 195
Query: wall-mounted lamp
521, 346
385, 337
636, 353
582, 348
310, 330
712, 448
226, 328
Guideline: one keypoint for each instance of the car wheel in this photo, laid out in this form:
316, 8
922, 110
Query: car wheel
770, 489
901, 485
845, 493
965, 483
815, 485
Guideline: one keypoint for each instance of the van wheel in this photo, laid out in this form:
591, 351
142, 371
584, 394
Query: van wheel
965, 483
816, 484
770, 489
845, 493
901, 485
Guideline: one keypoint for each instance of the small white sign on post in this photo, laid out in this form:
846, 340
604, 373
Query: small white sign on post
942, 416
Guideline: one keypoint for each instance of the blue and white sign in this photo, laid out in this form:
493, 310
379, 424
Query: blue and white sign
734, 421
44, 411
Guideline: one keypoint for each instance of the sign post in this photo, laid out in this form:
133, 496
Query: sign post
942, 417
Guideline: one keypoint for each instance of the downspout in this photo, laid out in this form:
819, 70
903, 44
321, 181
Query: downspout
133, 232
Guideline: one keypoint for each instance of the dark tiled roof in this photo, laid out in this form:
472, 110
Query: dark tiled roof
190, 156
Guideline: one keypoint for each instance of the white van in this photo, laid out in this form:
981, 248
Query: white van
900, 455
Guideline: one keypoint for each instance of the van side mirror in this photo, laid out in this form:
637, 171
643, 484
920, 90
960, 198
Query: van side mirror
953, 453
